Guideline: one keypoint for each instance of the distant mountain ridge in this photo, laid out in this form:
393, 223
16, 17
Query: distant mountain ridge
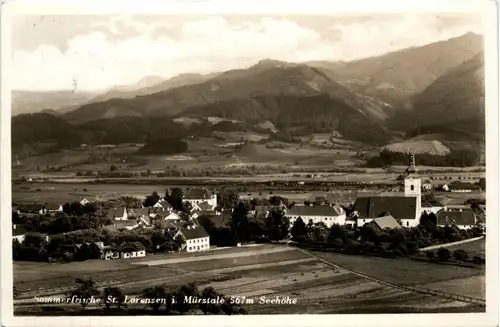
395, 76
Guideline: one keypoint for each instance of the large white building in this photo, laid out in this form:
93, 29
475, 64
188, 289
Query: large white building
407, 209
197, 238
329, 215
201, 196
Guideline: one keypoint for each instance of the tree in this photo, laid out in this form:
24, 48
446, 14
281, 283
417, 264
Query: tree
299, 230
175, 198
227, 198
460, 254
443, 254
180, 305
113, 296
85, 291
151, 200
210, 308
277, 225
482, 183
155, 292
239, 222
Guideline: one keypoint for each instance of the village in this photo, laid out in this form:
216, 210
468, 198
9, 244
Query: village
192, 221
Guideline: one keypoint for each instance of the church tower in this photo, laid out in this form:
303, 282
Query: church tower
413, 184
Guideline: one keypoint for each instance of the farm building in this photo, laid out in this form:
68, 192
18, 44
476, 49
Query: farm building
406, 209
30, 208
52, 208
427, 185
202, 208
198, 195
18, 232
329, 215
432, 206
464, 219
197, 238
125, 251
119, 213
84, 201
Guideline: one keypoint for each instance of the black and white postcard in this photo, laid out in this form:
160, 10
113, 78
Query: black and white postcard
208, 163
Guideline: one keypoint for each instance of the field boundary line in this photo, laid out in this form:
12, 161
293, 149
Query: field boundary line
438, 246
449, 296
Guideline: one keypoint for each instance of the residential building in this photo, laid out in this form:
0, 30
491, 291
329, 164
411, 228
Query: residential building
262, 212
197, 238
329, 215
162, 203
406, 209
198, 195
84, 201
18, 232
464, 219
427, 185
380, 224
52, 208
127, 250
432, 206
30, 208
119, 213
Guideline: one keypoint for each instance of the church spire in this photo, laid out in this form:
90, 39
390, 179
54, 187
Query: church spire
412, 169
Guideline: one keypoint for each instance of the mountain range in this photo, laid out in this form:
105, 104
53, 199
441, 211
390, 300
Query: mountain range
435, 89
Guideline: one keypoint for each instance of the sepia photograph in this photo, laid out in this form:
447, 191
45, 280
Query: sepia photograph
241, 164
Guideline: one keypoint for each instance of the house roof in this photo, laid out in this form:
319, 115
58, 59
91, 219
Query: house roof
18, 230
194, 233
138, 212
458, 207
125, 223
164, 203
116, 212
52, 206
456, 218
387, 221
323, 210
400, 207
197, 194
131, 246
29, 207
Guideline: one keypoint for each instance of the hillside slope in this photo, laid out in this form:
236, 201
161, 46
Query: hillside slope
453, 105
395, 76
25, 102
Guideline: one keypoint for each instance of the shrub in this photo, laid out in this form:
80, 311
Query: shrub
460, 255
429, 254
443, 254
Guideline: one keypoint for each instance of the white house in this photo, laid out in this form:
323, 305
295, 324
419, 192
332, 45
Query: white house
162, 203
463, 219
432, 207
128, 250
198, 195
329, 215
84, 201
197, 238
427, 185
52, 208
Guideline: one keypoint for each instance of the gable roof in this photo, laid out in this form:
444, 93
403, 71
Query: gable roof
163, 203
387, 221
30, 207
197, 194
194, 233
131, 247
52, 206
323, 210
138, 212
204, 206
125, 223
400, 207
456, 218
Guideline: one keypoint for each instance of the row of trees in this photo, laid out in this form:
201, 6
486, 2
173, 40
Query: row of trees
456, 158
370, 240
174, 304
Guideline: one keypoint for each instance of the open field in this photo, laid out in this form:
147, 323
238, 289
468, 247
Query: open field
250, 272
414, 273
473, 248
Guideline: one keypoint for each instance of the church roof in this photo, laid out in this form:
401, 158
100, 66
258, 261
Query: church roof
400, 207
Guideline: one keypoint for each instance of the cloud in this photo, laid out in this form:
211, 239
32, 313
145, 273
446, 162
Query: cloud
124, 49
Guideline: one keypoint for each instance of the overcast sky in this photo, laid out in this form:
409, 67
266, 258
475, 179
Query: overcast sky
49, 52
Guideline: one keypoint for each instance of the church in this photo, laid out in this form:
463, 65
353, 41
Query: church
406, 209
